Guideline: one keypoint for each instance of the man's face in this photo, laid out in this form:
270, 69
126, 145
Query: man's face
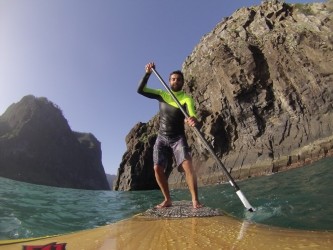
176, 82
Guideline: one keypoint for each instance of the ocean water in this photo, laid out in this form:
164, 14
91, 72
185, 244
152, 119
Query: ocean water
300, 198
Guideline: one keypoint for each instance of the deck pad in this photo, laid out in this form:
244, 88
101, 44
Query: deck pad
181, 209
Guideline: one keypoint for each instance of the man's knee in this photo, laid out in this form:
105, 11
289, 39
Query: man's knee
158, 169
187, 166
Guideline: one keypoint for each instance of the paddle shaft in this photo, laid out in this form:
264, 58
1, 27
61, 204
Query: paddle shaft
208, 146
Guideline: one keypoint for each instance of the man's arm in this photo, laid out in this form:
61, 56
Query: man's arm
149, 69
192, 120
143, 90
143, 83
148, 92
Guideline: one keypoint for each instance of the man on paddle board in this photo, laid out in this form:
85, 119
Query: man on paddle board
171, 134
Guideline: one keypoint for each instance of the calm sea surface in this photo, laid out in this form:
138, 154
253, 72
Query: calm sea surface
300, 198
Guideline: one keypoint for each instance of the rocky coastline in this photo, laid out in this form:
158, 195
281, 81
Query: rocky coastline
262, 80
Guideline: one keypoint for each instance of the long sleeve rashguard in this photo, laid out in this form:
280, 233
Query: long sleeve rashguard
171, 117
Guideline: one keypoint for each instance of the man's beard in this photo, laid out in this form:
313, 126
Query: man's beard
176, 88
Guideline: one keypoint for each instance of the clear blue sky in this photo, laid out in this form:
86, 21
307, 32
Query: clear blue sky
88, 56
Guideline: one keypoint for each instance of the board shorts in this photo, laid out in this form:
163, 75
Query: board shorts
166, 146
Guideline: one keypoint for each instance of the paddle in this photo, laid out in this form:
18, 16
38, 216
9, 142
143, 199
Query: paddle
209, 148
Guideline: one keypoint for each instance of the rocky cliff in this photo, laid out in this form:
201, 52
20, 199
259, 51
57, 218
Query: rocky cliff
38, 146
263, 85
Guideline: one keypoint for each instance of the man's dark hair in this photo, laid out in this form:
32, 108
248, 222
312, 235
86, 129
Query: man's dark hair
177, 72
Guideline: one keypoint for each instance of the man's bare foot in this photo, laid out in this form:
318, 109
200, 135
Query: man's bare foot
164, 204
197, 204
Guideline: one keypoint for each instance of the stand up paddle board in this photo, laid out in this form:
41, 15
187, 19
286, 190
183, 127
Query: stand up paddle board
179, 227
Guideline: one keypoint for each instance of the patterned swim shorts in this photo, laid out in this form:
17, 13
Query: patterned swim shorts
164, 146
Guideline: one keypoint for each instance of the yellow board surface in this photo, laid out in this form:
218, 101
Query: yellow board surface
220, 232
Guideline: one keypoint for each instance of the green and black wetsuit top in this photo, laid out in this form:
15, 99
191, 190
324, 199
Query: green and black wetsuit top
171, 117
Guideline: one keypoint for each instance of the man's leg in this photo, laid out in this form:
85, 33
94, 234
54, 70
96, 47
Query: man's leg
191, 180
164, 186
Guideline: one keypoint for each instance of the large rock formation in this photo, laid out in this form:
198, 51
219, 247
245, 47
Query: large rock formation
38, 146
136, 171
263, 85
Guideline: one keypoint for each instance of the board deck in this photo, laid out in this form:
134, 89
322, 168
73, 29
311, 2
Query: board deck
182, 209
148, 231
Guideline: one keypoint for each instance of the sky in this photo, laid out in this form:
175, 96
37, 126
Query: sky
88, 56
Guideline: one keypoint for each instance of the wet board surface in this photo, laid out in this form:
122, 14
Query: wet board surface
211, 232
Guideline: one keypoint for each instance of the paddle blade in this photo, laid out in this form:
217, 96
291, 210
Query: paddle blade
245, 201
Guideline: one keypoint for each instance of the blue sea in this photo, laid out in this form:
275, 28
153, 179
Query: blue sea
300, 198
